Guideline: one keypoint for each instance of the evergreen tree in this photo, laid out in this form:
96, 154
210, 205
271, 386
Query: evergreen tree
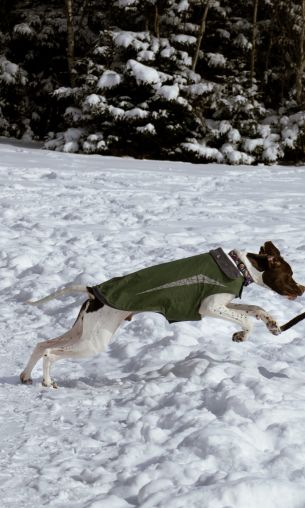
196, 80
138, 82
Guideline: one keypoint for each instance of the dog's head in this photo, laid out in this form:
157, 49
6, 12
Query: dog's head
277, 273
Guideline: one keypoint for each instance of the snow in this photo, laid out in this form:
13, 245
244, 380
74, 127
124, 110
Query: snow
149, 128
146, 56
224, 34
125, 3
136, 113
224, 127
63, 92
234, 136
109, 79
138, 40
124, 39
8, 71
199, 88
171, 415
116, 112
216, 59
93, 100
74, 113
143, 73
184, 39
71, 137
183, 6
8, 66
271, 153
23, 29
264, 130
203, 150
290, 135
167, 52
250, 145
235, 156
169, 92
242, 42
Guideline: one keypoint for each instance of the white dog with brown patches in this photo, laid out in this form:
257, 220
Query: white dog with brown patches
97, 322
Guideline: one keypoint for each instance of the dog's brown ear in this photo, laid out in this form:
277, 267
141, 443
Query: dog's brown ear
270, 249
259, 261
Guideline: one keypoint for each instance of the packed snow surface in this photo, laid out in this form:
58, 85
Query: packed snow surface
174, 416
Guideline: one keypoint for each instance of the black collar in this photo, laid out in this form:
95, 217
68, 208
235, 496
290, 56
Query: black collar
241, 267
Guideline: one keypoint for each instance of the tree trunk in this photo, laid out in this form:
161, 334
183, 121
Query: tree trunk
301, 59
157, 22
254, 35
200, 34
270, 45
70, 40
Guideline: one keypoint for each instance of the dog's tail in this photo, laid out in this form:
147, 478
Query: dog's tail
60, 292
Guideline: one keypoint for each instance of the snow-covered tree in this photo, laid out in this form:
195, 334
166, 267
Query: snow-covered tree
13, 101
197, 80
136, 97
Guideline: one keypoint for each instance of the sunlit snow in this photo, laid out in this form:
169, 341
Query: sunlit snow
170, 416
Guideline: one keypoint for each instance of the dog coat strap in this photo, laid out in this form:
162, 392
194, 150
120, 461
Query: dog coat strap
225, 264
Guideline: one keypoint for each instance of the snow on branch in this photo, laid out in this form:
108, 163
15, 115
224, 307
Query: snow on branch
203, 151
169, 92
142, 73
10, 73
109, 79
23, 29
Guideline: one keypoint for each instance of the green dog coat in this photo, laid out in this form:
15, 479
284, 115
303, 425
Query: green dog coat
175, 289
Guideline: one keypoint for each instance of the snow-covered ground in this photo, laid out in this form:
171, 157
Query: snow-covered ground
173, 416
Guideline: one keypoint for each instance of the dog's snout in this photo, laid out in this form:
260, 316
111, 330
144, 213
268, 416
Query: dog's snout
301, 289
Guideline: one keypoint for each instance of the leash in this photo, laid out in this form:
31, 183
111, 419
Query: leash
292, 322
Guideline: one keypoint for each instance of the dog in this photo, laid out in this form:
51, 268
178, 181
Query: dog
194, 293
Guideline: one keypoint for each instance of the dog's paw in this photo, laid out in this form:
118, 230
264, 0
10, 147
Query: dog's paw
24, 380
273, 327
49, 384
239, 336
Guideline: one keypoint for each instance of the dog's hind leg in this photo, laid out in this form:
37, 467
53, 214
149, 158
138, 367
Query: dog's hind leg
98, 326
90, 335
69, 338
51, 356
25, 376
48, 359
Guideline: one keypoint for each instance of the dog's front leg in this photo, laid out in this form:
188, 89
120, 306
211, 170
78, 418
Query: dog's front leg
217, 306
259, 313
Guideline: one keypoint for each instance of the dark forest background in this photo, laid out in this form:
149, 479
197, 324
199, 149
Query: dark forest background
189, 80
